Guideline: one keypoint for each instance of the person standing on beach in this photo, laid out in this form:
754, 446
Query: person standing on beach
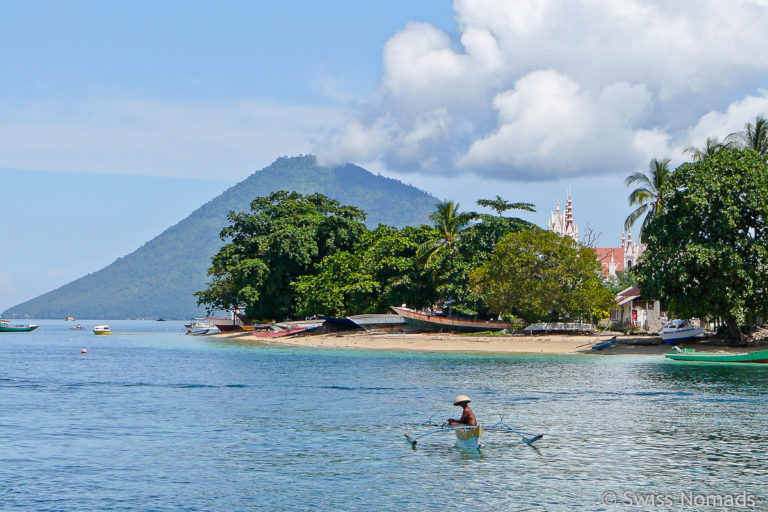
467, 416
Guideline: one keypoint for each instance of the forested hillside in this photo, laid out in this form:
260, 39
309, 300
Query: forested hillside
160, 277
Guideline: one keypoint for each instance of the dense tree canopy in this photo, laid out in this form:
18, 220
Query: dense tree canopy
283, 236
381, 271
540, 275
707, 252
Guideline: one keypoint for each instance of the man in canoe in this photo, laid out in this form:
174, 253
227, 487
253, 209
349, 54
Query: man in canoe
467, 416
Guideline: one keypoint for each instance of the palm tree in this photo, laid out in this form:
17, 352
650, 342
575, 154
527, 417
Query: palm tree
753, 136
711, 147
449, 223
648, 194
500, 205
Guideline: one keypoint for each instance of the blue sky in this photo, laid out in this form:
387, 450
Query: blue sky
117, 119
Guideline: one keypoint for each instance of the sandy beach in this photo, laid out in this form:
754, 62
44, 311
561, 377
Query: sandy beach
446, 342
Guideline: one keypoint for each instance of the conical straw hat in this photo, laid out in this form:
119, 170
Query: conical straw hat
461, 398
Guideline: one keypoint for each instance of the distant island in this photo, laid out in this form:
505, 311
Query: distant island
159, 279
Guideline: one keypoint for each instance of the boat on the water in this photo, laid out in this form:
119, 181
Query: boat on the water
678, 330
5, 326
431, 322
690, 354
102, 330
467, 437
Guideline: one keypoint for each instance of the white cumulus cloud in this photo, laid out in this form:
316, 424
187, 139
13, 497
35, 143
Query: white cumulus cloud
546, 89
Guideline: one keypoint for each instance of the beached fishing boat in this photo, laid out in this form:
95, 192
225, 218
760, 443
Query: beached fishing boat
199, 325
366, 321
690, 354
678, 330
431, 322
604, 344
5, 326
102, 330
467, 437
283, 330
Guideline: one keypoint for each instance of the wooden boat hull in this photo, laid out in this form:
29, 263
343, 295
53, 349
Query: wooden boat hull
427, 322
292, 331
469, 438
18, 328
759, 357
605, 344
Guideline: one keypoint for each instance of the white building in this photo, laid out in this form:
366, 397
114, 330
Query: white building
562, 223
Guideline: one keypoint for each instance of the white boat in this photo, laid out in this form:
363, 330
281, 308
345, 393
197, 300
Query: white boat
200, 325
678, 330
102, 330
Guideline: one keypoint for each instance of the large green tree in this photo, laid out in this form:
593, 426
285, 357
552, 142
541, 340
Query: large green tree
381, 271
542, 276
283, 236
647, 196
707, 252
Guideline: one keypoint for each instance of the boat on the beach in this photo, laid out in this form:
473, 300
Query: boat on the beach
690, 354
102, 330
604, 344
283, 330
199, 326
467, 437
432, 322
5, 326
678, 330
366, 321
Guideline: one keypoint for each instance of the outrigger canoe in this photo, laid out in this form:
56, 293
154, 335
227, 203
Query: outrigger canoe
690, 354
467, 437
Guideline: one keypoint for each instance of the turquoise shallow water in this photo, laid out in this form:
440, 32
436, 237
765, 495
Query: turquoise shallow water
156, 420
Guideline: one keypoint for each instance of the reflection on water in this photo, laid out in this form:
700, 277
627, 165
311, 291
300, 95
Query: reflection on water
161, 421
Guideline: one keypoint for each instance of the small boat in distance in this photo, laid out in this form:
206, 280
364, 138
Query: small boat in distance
690, 354
102, 330
5, 326
677, 330
69, 319
431, 322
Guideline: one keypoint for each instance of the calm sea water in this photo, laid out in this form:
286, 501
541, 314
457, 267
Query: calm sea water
151, 419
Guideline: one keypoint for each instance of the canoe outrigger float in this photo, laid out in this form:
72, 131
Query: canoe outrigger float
467, 437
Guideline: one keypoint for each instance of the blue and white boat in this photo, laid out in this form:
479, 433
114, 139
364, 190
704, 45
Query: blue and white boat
679, 330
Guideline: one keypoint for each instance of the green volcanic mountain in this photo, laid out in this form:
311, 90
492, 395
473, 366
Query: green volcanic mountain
159, 278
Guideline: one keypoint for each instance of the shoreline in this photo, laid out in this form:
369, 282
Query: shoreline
554, 344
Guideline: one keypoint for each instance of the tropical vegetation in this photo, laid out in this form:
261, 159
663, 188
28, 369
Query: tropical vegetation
295, 255
542, 276
647, 196
707, 250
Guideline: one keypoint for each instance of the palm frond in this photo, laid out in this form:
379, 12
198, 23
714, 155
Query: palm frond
632, 217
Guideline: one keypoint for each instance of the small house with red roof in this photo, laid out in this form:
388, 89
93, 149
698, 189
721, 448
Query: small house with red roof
635, 313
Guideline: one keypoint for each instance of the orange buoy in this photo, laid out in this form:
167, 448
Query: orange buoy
84, 351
